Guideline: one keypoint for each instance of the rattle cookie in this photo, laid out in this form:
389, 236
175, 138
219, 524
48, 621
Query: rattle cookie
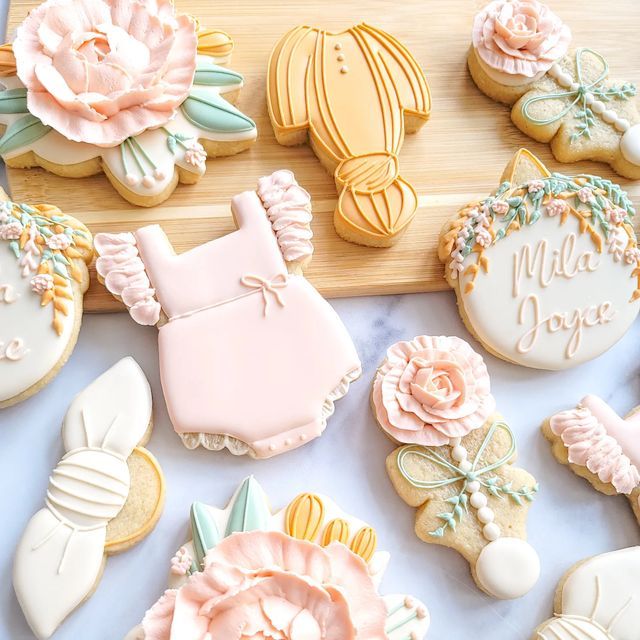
352, 95
597, 599
131, 89
520, 56
104, 496
432, 396
600, 446
252, 358
307, 572
44, 258
546, 269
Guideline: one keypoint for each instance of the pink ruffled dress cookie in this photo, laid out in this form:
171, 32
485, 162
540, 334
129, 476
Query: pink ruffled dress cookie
129, 88
251, 356
599, 445
307, 572
432, 395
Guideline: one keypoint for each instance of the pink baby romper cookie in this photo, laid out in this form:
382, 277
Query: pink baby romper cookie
252, 358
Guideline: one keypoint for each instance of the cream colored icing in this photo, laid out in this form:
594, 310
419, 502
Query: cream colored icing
578, 299
600, 600
268, 319
29, 347
60, 555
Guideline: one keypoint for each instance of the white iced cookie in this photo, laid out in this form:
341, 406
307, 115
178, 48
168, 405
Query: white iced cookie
307, 572
432, 395
104, 496
44, 258
598, 599
546, 269
146, 106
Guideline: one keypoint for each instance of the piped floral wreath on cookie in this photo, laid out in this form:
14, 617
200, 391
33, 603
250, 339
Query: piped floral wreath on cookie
45, 243
131, 84
603, 209
307, 572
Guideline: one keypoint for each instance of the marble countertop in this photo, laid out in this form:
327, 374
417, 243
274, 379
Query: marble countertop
568, 521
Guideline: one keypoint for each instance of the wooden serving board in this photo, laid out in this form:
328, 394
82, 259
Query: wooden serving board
457, 156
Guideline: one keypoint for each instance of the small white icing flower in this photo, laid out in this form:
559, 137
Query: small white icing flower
195, 155
556, 207
533, 186
483, 237
615, 215
11, 231
632, 256
500, 207
41, 283
181, 562
59, 241
5, 211
585, 195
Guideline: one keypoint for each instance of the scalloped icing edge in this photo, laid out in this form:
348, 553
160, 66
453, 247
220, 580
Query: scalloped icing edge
220, 441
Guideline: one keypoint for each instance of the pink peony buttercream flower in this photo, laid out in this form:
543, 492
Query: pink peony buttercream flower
59, 241
432, 389
519, 37
267, 586
100, 71
11, 231
556, 207
41, 283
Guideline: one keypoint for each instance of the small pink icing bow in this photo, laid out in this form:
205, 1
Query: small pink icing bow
267, 286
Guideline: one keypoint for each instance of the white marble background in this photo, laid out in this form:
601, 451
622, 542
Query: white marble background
568, 521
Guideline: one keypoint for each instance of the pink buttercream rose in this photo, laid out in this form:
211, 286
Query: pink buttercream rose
100, 71
432, 389
267, 586
520, 37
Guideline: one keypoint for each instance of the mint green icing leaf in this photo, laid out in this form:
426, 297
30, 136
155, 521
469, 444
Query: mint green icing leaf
213, 113
204, 531
13, 101
22, 132
249, 511
212, 75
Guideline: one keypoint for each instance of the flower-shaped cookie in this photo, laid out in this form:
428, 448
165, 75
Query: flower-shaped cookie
308, 572
468, 495
432, 389
128, 88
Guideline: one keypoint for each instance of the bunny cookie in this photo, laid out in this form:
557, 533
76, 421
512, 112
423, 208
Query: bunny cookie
432, 395
520, 56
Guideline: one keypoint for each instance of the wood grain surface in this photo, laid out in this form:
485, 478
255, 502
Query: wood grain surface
457, 156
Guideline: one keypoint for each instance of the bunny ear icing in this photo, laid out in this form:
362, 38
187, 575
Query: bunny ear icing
600, 599
60, 556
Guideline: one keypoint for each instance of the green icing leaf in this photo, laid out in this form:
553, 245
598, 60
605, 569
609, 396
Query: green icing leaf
249, 511
13, 101
214, 76
204, 531
22, 132
213, 113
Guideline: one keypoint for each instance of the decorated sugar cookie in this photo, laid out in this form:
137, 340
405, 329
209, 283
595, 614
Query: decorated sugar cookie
545, 269
352, 95
597, 600
520, 56
432, 395
44, 256
131, 89
235, 311
600, 446
104, 496
307, 572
